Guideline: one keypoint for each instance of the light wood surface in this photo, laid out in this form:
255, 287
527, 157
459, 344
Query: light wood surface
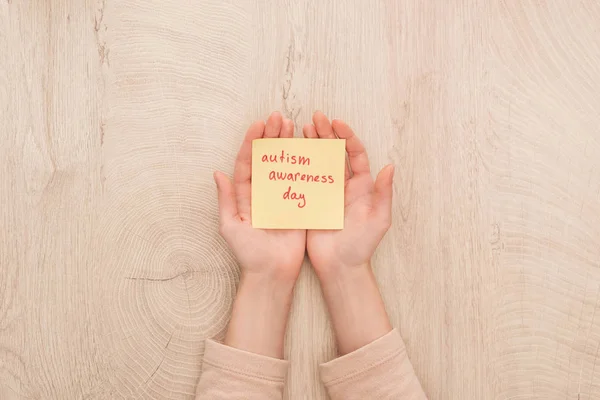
113, 115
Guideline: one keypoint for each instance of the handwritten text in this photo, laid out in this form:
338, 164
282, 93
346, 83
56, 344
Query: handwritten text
286, 158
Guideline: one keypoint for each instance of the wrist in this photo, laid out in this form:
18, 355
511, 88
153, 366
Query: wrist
271, 273
343, 274
266, 284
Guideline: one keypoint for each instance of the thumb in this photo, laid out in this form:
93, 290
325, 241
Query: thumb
227, 203
382, 202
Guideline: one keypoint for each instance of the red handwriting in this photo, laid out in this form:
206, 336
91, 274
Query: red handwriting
299, 176
289, 195
285, 158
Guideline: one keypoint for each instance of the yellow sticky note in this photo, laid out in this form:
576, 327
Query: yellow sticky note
298, 183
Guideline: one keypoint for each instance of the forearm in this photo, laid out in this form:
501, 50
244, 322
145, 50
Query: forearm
259, 316
356, 307
374, 362
249, 364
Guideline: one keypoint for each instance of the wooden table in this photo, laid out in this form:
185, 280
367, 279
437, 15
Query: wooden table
114, 114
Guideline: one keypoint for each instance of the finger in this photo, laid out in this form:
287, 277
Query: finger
243, 162
287, 129
227, 203
347, 173
273, 127
323, 126
383, 191
357, 155
243, 169
325, 130
309, 131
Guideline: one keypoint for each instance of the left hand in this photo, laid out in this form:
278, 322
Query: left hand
270, 254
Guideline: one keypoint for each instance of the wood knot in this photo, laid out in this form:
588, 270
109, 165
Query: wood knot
182, 263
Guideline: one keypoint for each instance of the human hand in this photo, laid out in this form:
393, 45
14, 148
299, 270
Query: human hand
276, 254
270, 260
341, 258
367, 208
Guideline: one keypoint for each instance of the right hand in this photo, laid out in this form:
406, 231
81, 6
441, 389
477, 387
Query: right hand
367, 208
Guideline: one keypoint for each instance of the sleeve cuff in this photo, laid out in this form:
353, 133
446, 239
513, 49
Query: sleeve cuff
360, 361
242, 362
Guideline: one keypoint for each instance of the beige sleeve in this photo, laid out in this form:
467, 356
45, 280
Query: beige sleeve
229, 373
379, 370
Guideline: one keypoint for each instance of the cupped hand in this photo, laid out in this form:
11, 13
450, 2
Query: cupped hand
268, 253
367, 208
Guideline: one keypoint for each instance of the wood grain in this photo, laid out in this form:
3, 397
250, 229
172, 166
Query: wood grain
114, 114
